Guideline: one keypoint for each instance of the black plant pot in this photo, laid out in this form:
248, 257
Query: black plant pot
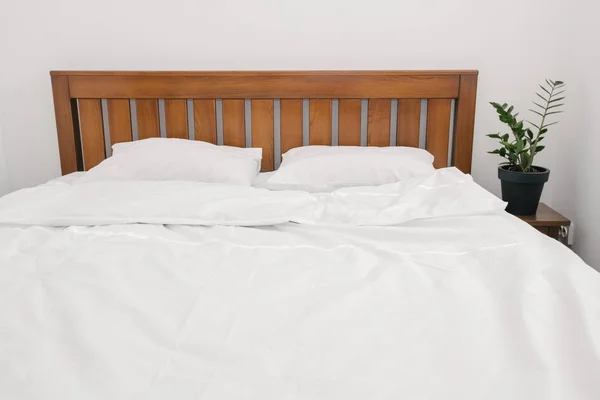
522, 190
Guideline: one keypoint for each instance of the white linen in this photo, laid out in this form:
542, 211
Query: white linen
261, 179
326, 168
159, 159
447, 306
68, 178
149, 202
194, 203
259, 182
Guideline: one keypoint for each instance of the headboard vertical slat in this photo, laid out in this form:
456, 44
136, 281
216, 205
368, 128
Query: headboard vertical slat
234, 128
464, 122
263, 131
409, 122
349, 122
378, 125
176, 119
320, 122
205, 122
147, 118
70, 155
92, 132
119, 121
438, 130
290, 124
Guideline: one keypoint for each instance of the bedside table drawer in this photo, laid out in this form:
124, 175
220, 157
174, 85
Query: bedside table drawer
555, 232
549, 222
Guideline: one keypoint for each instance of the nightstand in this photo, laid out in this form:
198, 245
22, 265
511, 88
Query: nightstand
548, 221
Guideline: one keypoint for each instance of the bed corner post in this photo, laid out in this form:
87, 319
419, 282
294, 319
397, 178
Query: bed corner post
465, 122
68, 141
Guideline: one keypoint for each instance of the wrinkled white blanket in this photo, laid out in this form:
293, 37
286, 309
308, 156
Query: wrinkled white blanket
447, 192
175, 290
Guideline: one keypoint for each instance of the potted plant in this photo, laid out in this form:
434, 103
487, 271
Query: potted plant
522, 181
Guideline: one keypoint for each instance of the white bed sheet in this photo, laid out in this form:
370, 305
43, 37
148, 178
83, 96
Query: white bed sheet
453, 299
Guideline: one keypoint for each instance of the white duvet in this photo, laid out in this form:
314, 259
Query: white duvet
175, 290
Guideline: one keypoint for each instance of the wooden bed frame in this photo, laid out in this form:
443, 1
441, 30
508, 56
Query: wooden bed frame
273, 110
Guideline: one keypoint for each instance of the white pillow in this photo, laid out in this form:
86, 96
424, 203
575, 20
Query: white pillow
160, 159
172, 144
325, 168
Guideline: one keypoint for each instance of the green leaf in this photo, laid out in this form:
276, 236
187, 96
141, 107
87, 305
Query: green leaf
550, 124
520, 146
505, 137
543, 131
531, 123
559, 93
559, 83
539, 148
510, 109
502, 152
529, 133
555, 112
518, 134
539, 105
555, 100
545, 90
538, 113
504, 106
494, 136
543, 98
549, 82
556, 105
494, 152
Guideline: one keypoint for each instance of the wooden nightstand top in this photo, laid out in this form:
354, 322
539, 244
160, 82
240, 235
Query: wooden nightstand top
545, 216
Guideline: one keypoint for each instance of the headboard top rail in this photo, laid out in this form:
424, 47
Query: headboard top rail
267, 72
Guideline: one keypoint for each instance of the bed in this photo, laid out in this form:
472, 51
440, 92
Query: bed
179, 290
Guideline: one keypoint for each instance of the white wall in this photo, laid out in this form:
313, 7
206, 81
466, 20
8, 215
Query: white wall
513, 44
577, 181
3, 169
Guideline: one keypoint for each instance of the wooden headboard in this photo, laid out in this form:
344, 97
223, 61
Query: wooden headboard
273, 110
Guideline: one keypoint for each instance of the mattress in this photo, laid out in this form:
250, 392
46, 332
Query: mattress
424, 289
